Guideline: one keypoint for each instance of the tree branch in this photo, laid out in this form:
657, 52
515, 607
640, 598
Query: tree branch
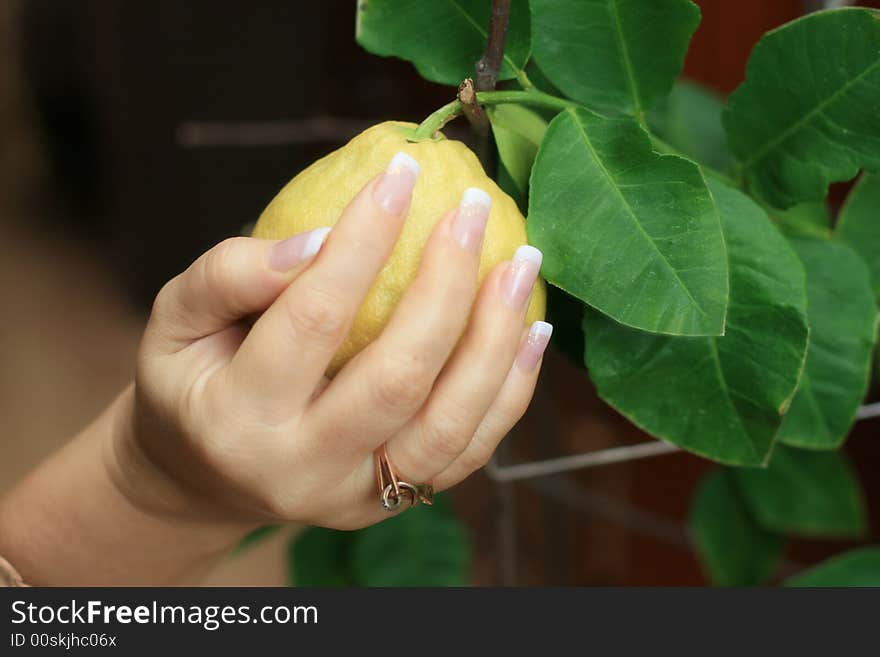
490, 63
487, 69
471, 109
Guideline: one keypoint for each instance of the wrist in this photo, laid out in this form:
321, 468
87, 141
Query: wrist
151, 489
93, 514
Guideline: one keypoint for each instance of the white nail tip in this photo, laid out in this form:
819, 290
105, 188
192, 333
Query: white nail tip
540, 330
403, 161
315, 241
476, 196
527, 253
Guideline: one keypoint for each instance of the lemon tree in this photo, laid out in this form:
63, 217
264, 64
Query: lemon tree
705, 290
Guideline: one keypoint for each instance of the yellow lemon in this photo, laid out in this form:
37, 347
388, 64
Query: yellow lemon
317, 196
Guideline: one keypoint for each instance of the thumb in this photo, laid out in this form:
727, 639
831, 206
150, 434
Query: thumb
236, 278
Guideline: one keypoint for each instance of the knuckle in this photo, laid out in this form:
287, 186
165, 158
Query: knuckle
512, 412
319, 315
403, 383
163, 301
167, 312
446, 436
219, 267
459, 283
495, 349
373, 245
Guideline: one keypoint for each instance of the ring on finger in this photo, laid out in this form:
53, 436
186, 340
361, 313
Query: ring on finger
392, 491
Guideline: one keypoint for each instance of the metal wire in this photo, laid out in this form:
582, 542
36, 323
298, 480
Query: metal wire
498, 472
530, 470
563, 490
317, 129
283, 132
868, 411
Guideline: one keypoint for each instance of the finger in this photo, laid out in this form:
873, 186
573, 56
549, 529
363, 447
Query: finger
474, 375
505, 411
288, 349
236, 278
389, 380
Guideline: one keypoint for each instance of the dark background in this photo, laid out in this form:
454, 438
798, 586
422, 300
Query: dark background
135, 134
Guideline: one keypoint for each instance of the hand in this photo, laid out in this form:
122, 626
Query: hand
241, 422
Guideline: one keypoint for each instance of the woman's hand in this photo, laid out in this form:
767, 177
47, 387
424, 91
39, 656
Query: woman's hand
240, 421
231, 421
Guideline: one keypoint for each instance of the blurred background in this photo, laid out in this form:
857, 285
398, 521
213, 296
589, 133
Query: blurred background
136, 134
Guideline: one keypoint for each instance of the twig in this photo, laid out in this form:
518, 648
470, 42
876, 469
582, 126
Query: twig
475, 114
440, 117
487, 69
490, 63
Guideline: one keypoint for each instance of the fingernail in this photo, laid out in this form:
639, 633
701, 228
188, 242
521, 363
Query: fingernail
394, 189
470, 220
521, 274
534, 346
288, 253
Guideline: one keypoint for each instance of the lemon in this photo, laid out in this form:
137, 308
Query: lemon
317, 196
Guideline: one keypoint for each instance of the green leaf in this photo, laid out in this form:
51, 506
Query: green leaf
424, 546
321, 557
858, 224
843, 325
633, 233
808, 113
518, 133
689, 120
854, 568
442, 38
722, 398
733, 549
805, 493
541, 81
810, 219
508, 186
613, 54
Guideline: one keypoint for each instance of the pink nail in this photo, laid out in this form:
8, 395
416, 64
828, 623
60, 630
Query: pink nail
394, 190
532, 349
520, 277
288, 253
470, 220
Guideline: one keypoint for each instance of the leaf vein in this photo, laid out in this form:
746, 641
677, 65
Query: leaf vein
793, 127
630, 74
722, 380
631, 213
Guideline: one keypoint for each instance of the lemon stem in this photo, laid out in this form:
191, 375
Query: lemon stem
524, 81
439, 118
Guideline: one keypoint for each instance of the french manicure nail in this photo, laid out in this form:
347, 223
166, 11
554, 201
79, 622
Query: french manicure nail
520, 277
393, 191
532, 349
470, 220
288, 253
